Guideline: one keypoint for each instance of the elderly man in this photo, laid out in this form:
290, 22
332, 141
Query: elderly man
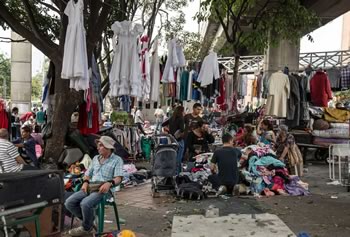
10, 160
106, 171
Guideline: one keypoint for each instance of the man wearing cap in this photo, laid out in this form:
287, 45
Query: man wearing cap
106, 170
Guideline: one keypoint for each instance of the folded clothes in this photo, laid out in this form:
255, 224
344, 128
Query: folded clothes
332, 133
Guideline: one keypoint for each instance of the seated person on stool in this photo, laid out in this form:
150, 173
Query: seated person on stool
26, 146
107, 169
224, 166
10, 160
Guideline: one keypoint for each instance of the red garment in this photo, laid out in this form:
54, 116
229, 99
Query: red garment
221, 98
320, 90
4, 122
26, 116
83, 123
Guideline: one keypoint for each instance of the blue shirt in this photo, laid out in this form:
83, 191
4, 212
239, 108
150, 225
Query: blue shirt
111, 168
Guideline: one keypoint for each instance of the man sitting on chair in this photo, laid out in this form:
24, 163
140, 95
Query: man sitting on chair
106, 169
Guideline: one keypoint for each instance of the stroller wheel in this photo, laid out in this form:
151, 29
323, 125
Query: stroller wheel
155, 193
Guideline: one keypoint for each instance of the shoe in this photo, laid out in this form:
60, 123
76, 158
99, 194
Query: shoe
79, 231
236, 190
222, 190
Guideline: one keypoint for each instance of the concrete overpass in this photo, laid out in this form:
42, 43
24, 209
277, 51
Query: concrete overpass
327, 10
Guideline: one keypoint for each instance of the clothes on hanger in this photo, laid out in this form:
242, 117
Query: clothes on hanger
293, 113
75, 64
145, 68
334, 76
209, 70
345, 77
184, 85
125, 75
155, 73
174, 60
279, 91
320, 89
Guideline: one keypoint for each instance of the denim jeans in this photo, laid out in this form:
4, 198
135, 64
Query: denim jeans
82, 205
179, 155
159, 122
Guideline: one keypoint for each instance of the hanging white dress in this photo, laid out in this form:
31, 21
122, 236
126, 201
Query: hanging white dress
75, 64
171, 63
125, 74
145, 68
155, 74
209, 70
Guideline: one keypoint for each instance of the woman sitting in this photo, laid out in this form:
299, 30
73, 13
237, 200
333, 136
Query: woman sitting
266, 133
288, 152
198, 140
26, 146
246, 138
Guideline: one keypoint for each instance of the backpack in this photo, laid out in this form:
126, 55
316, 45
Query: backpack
187, 189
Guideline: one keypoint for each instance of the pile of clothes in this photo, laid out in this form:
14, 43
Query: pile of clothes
133, 175
262, 173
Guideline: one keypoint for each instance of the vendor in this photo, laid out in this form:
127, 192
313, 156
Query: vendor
224, 166
266, 133
26, 146
247, 137
198, 140
285, 143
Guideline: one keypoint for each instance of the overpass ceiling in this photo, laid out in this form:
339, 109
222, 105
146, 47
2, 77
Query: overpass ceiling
328, 8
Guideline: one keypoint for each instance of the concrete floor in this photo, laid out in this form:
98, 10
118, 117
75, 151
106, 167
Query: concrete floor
323, 214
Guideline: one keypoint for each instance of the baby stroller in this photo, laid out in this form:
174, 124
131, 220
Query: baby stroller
163, 163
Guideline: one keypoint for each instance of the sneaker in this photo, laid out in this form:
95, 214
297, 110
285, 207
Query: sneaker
222, 190
236, 190
79, 231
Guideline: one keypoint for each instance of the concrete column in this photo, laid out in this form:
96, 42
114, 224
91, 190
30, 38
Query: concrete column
345, 42
21, 74
281, 55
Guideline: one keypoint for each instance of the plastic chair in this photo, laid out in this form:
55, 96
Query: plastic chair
100, 211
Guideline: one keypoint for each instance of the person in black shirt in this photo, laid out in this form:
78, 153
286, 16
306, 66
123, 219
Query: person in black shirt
176, 126
198, 140
193, 118
224, 166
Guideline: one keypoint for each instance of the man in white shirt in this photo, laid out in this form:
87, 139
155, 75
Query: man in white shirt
159, 113
10, 160
139, 120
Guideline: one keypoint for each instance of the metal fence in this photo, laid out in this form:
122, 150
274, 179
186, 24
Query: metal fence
251, 64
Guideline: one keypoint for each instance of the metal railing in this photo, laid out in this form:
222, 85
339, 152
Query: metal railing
251, 64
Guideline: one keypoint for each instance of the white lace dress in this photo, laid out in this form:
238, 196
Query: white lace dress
75, 64
125, 75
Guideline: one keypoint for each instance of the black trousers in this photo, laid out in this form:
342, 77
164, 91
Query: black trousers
216, 183
139, 126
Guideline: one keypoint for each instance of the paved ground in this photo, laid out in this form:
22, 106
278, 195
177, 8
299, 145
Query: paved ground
323, 214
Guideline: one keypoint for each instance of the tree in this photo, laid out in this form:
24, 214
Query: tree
253, 24
5, 76
43, 23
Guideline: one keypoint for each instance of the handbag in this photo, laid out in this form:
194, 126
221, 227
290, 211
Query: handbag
94, 187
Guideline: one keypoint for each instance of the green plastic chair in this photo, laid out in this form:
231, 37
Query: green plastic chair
100, 211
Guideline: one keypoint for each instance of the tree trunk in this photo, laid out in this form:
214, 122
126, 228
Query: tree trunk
65, 102
235, 81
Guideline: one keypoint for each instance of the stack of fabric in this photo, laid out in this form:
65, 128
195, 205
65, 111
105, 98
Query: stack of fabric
333, 128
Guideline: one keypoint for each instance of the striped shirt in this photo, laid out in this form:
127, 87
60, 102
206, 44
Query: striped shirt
111, 168
8, 155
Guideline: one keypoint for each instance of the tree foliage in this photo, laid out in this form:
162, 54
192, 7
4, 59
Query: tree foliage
252, 24
5, 76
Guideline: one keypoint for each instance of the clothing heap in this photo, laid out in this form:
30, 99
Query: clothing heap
331, 126
261, 172
134, 176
